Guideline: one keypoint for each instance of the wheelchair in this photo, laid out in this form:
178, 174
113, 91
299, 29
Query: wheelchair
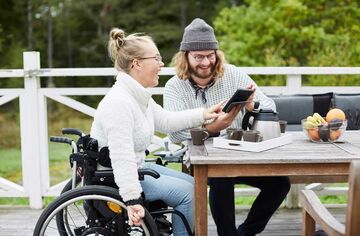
90, 203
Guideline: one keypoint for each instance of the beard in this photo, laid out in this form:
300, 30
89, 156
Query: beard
200, 73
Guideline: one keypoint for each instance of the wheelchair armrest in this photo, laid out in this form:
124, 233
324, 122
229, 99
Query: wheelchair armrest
172, 156
152, 159
156, 160
104, 173
147, 171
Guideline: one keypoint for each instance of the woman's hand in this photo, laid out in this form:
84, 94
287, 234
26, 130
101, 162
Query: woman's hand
224, 120
213, 111
135, 214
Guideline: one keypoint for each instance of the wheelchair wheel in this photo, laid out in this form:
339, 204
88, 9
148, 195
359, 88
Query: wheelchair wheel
68, 185
62, 220
90, 210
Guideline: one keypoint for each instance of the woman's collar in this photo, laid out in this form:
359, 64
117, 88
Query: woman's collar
141, 94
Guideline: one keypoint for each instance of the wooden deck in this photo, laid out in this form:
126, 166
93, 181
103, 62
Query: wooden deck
20, 221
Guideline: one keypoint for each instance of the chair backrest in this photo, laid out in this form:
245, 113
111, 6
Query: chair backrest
294, 108
353, 210
350, 104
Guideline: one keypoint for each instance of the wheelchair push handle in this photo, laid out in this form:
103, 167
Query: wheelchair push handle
72, 131
67, 140
57, 139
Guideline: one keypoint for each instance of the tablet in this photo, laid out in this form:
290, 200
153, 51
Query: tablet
239, 97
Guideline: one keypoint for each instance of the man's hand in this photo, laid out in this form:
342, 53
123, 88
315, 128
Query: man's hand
224, 120
135, 214
250, 101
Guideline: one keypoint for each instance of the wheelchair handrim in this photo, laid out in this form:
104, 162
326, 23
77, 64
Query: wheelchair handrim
86, 197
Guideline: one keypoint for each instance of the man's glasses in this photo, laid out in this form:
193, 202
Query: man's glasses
157, 58
200, 58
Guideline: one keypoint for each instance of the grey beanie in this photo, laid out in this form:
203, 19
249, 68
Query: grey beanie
198, 36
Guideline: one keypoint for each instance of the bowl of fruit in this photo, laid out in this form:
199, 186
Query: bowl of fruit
328, 129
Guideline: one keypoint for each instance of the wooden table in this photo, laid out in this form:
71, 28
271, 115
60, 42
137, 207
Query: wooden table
302, 160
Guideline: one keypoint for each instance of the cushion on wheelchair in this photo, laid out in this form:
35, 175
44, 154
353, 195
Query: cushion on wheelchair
90, 147
101, 157
92, 158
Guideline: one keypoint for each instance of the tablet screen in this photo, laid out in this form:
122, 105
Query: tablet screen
239, 97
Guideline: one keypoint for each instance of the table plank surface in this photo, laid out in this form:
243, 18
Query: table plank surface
301, 160
301, 150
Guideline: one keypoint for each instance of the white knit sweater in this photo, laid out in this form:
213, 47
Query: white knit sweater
125, 121
180, 95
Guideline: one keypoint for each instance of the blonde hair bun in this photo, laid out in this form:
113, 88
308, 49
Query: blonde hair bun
118, 35
123, 49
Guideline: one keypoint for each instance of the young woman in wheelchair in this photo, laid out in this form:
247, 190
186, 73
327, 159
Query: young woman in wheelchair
125, 121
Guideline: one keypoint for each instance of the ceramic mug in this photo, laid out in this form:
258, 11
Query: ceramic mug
234, 133
252, 136
283, 124
199, 135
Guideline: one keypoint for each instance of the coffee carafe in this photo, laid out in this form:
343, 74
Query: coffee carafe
264, 120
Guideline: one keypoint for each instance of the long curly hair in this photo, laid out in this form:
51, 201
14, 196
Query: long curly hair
181, 64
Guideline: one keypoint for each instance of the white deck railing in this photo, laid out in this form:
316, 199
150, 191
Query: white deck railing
33, 113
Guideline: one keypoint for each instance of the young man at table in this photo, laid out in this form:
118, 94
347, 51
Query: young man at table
203, 79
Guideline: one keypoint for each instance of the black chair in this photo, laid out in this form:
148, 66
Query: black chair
294, 108
350, 104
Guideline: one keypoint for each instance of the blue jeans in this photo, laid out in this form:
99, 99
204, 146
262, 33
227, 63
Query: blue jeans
174, 188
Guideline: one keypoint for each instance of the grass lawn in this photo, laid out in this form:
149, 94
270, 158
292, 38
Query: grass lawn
11, 166
10, 169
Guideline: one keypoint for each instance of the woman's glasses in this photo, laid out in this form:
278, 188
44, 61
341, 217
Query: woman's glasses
157, 58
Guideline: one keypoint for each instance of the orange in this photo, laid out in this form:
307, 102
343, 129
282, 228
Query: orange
335, 113
314, 134
334, 134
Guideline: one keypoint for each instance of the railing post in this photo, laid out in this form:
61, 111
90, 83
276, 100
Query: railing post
293, 84
30, 138
44, 140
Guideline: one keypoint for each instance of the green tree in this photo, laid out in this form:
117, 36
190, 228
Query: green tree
11, 34
291, 33
70, 33
80, 29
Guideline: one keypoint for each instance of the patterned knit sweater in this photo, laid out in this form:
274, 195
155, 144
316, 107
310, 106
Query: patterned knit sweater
125, 121
180, 95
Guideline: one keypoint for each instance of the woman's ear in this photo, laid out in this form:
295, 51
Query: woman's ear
136, 64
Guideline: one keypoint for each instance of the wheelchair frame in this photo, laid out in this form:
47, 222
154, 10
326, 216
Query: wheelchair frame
79, 161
